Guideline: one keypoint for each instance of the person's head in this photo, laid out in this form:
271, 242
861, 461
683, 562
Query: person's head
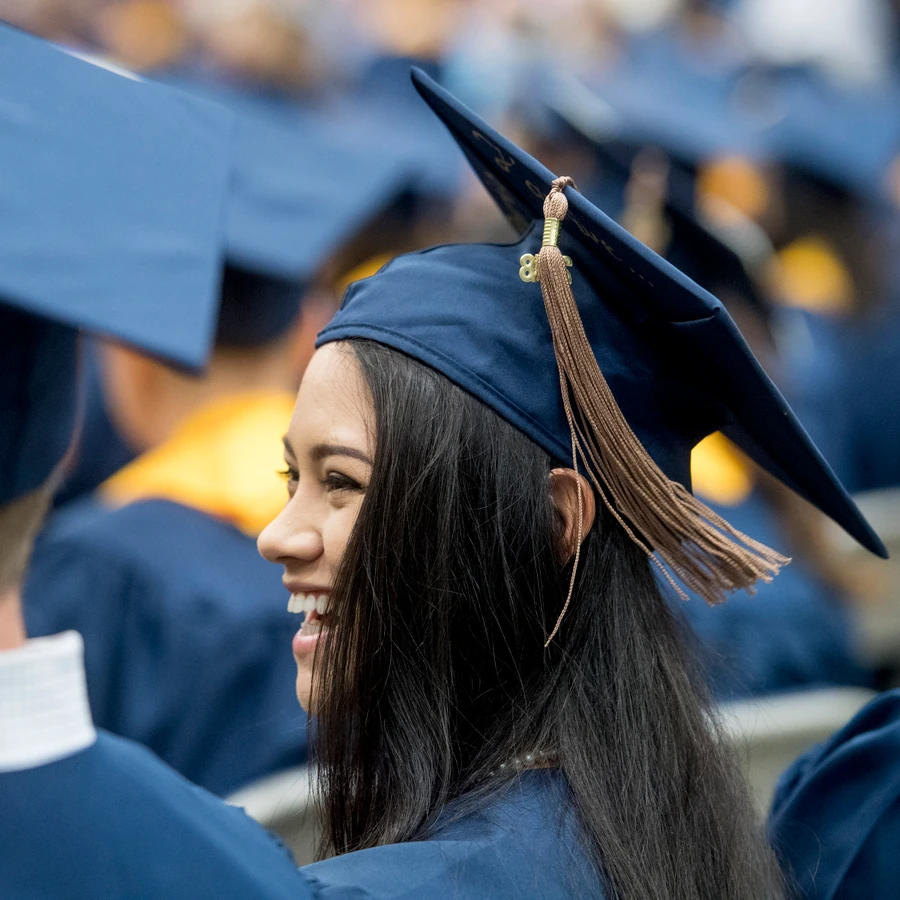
330, 454
148, 398
442, 539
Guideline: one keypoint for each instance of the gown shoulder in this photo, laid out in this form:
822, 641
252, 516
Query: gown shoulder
113, 822
836, 813
179, 615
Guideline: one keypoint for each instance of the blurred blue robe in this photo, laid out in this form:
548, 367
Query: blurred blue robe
793, 633
835, 819
186, 630
871, 398
113, 823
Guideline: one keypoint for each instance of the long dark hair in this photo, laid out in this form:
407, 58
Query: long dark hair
435, 672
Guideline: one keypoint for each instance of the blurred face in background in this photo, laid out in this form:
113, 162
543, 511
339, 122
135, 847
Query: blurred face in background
329, 448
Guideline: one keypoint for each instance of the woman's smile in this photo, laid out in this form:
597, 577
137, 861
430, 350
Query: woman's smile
305, 640
313, 604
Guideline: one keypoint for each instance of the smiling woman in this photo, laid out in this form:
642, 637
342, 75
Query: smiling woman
488, 475
439, 541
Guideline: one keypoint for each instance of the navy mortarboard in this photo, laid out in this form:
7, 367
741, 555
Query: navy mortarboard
109, 228
649, 362
280, 229
655, 199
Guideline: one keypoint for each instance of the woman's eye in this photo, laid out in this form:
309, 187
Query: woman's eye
335, 481
288, 474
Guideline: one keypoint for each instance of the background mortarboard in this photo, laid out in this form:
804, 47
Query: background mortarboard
847, 138
302, 188
715, 256
676, 363
112, 203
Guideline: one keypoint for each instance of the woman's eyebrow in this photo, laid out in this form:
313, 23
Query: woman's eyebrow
321, 451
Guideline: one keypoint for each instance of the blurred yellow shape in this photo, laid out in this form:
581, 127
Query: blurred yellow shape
363, 270
719, 471
221, 461
811, 276
738, 181
143, 34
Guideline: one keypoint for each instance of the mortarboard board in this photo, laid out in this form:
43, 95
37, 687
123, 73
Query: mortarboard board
281, 227
674, 363
113, 207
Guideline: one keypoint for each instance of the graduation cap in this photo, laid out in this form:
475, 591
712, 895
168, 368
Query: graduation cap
650, 362
112, 201
726, 253
281, 227
846, 138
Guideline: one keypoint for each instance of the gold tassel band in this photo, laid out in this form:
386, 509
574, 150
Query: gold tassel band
551, 233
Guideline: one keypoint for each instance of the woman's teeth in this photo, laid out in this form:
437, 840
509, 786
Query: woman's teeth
307, 603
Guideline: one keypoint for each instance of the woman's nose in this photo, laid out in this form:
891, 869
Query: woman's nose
289, 537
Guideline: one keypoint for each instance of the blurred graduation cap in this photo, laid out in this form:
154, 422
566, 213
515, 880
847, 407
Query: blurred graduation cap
847, 138
303, 187
722, 253
659, 99
792, 115
658, 366
382, 106
113, 201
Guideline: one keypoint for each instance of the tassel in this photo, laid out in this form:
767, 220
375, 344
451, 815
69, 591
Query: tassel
682, 535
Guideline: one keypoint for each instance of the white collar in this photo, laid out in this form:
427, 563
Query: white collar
44, 711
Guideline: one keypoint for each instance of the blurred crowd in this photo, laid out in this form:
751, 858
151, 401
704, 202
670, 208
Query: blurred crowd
304, 45
768, 127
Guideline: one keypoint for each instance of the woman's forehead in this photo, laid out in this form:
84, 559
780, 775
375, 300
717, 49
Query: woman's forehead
333, 400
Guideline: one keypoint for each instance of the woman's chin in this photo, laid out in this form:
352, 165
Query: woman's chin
304, 690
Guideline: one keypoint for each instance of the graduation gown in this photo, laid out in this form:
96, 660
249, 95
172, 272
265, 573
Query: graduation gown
793, 632
112, 822
871, 398
186, 630
835, 818
523, 844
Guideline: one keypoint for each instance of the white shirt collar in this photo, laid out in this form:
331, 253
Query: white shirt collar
44, 711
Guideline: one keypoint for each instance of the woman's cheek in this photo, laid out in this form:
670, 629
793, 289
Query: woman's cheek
338, 532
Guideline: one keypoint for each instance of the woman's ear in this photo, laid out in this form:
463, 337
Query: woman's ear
564, 484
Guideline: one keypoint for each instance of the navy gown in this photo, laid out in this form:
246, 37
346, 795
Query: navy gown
113, 823
523, 844
186, 631
871, 397
835, 819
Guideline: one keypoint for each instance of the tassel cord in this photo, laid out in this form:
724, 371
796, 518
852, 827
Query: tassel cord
672, 526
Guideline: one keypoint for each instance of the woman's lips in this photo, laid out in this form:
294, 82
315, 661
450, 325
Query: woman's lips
313, 604
307, 637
